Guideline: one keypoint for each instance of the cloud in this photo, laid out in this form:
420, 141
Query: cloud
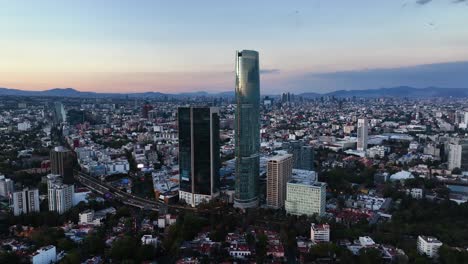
269, 71
423, 2
445, 75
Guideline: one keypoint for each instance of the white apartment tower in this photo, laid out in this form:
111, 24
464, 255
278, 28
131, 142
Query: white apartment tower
362, 134
6, 186
428, 246
25, 201
60, 194
279, 171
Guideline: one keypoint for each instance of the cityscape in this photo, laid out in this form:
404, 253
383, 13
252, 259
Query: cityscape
250, 173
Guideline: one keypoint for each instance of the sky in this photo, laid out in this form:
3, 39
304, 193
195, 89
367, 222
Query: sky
179, 46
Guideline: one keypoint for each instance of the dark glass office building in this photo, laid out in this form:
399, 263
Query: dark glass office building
199, 159
247, 129
61, 163
303, 155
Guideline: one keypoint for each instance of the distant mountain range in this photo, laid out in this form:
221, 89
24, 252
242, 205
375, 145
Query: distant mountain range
401, 91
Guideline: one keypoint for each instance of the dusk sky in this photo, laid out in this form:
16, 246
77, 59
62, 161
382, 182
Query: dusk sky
179, 46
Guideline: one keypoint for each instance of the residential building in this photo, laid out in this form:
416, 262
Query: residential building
25, 201
458, 155
44, 255
279, 171
149, 240
86, 217
416, 193
6, 186
60, 194
199, 158
320, 233
428, 246
247, 129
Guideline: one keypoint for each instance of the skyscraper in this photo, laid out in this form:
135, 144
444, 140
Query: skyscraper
60, 115
247, 129
61, 163
303, 155
279, 171
199, 159
362, 130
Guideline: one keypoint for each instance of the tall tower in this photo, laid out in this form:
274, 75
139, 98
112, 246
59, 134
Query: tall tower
61, 163
247, 129
279, 171
362, 130
199, 159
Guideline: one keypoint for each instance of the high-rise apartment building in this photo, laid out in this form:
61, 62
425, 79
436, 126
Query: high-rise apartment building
428, 246
25, 201
362, 134
458, 155
6, 186
199, 159
279, 171
61, 163
60, 194
454, 156
247, 129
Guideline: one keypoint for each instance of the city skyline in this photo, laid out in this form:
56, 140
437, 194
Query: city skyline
175, 47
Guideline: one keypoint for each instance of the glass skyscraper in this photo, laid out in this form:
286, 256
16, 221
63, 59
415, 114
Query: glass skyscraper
199, 159
247, 129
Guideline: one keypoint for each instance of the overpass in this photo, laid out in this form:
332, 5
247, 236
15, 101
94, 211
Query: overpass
102, 188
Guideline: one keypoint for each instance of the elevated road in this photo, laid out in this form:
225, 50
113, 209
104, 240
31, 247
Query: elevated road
102, 188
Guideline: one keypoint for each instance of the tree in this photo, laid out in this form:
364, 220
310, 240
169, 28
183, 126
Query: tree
370, 256
9, 257
72, 257
261, 247
124, 248
146, 252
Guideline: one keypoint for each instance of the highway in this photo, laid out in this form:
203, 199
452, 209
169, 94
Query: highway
102, 188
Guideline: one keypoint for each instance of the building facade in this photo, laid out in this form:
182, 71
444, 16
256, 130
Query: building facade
428, 246
247, 129
44, 255
25, 201
7, 186
279, 171
362, 134
305, 197
60, 194
320, 233
303, 155
60, 115
199, 158
61, 163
